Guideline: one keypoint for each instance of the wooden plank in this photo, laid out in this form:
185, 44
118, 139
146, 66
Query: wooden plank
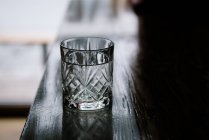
45, 117
48, 120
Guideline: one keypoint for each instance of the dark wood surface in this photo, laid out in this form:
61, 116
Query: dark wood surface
48, 120
161, 94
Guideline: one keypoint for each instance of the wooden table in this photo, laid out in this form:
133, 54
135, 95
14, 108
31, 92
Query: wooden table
48, 120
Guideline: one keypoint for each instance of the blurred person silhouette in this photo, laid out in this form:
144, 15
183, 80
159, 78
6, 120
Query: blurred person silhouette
174, 68
90, 10
82, 10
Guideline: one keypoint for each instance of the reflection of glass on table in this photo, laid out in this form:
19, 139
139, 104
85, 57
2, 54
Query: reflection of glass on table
94, 125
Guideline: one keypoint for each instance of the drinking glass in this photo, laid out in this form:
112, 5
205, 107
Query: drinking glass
87, 69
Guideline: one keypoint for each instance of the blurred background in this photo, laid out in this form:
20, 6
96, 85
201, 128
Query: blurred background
28, 30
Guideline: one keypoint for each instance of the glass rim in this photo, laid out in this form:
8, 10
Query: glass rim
71, 38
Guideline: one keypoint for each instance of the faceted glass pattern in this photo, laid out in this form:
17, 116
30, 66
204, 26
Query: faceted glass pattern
87, 74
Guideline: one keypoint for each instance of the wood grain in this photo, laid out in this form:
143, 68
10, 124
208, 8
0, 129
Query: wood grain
48, 120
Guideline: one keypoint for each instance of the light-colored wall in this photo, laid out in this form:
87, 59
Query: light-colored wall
30, 19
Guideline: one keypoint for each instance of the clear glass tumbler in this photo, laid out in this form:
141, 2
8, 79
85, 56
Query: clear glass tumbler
87, 69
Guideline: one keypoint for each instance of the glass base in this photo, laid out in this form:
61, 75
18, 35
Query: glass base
90, 105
